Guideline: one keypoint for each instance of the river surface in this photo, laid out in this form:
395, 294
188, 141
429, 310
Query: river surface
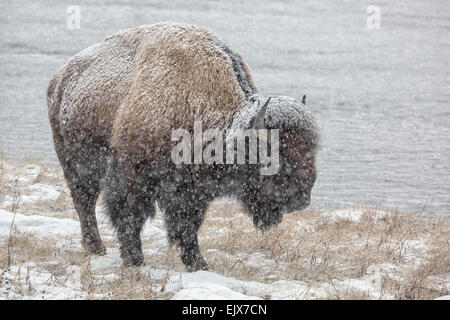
381, 97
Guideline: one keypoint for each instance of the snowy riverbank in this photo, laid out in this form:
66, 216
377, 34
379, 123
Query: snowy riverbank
353, 253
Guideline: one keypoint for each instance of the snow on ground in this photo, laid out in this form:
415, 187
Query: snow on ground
37, 225
38, 282
353, 214
41, 238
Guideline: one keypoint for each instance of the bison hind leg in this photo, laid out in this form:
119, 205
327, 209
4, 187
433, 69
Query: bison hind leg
84, 200
84, 184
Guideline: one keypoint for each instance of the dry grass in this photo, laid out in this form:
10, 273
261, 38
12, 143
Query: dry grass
2, 173
36, 173
27, 248
309, 247
409, 253
130, 284
46, 254
27, 252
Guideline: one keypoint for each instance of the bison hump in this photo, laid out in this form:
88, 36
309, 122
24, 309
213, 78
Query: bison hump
181, 75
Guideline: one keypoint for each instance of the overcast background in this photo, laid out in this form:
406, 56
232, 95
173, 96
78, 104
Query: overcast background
381, 97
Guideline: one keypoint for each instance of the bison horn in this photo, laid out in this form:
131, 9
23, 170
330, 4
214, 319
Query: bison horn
258, 123
304, 99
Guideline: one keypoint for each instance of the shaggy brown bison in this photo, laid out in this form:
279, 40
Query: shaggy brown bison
113, 108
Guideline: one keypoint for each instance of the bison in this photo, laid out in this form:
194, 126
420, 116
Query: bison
112, 108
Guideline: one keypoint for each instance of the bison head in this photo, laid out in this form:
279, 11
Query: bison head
268, 197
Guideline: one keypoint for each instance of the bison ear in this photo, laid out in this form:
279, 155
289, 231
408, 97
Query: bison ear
304, 100
258, 120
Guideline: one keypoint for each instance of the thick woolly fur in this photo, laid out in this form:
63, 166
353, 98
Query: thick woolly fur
113, 108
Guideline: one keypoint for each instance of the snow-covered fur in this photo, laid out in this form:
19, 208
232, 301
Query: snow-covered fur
113, 107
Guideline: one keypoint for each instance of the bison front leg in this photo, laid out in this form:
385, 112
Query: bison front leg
129, 205
183, 218
128, 224
129, 235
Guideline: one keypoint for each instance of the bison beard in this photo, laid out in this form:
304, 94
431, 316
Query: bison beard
111, 115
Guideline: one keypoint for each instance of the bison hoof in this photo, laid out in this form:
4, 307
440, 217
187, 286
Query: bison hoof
199, 264
133, 261
94, 247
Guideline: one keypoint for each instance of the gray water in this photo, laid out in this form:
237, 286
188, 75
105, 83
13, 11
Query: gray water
381, 97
